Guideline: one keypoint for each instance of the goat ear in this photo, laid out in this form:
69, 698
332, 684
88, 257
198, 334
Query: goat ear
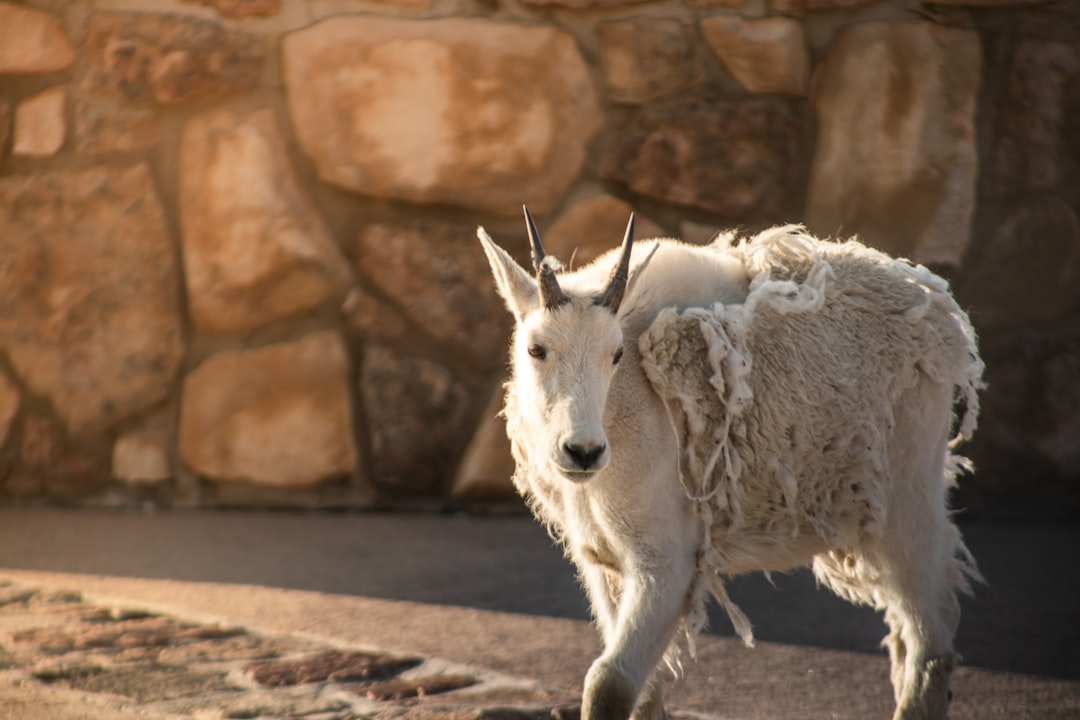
517, 287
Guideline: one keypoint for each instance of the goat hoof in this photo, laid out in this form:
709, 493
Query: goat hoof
609, 693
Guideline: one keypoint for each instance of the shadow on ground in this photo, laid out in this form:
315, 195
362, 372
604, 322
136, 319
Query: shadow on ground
1027, 620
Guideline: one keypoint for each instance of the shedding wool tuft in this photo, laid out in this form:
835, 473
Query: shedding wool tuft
783, 405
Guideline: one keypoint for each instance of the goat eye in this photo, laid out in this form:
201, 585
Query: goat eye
618, 356
537, 351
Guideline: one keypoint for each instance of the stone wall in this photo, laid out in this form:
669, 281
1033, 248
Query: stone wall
237, 254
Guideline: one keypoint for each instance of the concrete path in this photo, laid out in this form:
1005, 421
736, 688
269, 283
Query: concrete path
483, 598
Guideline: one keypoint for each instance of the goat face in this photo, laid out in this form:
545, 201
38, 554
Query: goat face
567, 347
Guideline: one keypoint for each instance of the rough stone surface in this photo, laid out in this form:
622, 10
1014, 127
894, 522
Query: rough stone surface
255, 248
67, 659
238, 9
497, 128
167, 58
1036, 144
486, 470
5, 126
39, 124
140, 457
372, 317
1027, 271
730, 4
697, 233
103, 127
766, 55
50, 466
645, 58
332, 665
799, 8
9, 406
90, 290
415, 411
278, 415
583, 4
592, 226
895, 159
990, 3
32, 41
1028, 427
433, 272
738, 158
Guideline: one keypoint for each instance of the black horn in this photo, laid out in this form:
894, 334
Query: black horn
551, 295
613, 293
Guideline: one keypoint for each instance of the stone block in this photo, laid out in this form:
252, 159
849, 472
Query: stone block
239, 9
486, 471
415, 410
255, 248
895, 159
766, 55
1026, 271
5, 126
141, 457
39, 124
737, 158
584, 4
434, 273
592, 226
9, 406
1036, 143
167, 59
278, 415
645, 58
442, 111
105, 127
50, 465
32, 41
90, 292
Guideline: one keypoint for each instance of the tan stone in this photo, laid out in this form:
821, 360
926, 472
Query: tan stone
464, 111
989, 3
9, 405
739, 158
237, 9
255, 248
103, 127
591, 227
32, 42
141, 457
415, 410
766, 55
372, 317
433, 273
697, 233
645, 58
1033, 145
39, 124
51, 465
5, 126
278, 415
895, 159
167, 58
584, 4
486, 471
89, 288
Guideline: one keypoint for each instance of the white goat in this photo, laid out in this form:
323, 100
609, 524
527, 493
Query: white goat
754, 406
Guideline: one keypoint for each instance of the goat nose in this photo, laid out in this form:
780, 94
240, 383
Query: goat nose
584, 456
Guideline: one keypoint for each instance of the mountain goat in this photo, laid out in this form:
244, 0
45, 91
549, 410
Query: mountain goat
701, 412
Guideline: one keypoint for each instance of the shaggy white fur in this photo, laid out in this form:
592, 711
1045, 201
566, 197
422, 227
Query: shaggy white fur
803, 376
